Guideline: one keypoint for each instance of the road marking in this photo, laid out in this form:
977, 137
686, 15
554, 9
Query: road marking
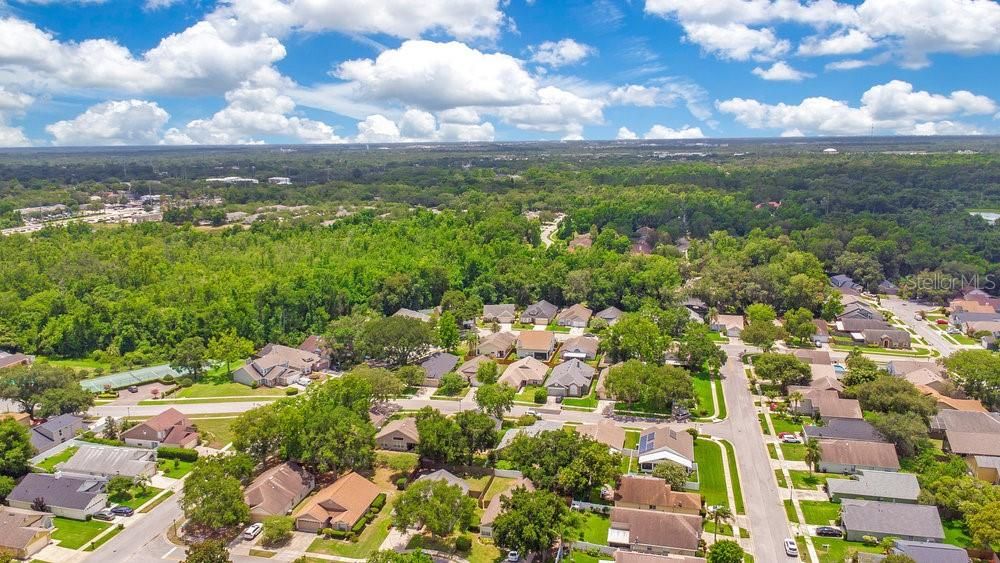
169, 553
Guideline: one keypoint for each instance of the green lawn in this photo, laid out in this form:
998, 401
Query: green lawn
708, 456
783, 423
819, 512
528, 394
208, 390
74, 534
171, 401
790, 512
735, 477
955, 534
137, 499
49, 464
369, 541
578, 556
718, 336
631, 439
771, 451
834, 550
497, 486
779, 476
76, 363
483, 552
703, 392
803, 480
215, 432
438, 394
588, 401
724, 529
964, 339
595, 528
556, 328
794, 452
104, 539
763, 424
916, 352
174, 468
720, 399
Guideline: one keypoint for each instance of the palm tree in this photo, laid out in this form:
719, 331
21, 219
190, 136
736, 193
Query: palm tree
713, 315
795, 397
887, 544
721, 514
813, 454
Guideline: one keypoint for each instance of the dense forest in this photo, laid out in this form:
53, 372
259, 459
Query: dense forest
765, 227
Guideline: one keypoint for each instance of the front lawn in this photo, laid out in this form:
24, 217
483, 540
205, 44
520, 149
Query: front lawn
703, 392
369, 541
820, 512
734, 476
708, 456
483, 552
595, 528
803, 480
439, 394
794, 452
528, 394
138, 497
790, 511
779, 476
965, 339
588, 401
74, 534
784, 423
215, 432
174, 468
49, 464
208, 390
834, 550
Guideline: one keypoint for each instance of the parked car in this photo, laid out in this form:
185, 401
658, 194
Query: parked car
513, 556
791, 549
253, 531
105, 515
122, 511
133, 389
303, 381
942, 321
829, 532
789, 438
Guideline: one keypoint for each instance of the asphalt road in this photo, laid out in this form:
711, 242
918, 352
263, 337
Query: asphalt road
905, 311
143, 541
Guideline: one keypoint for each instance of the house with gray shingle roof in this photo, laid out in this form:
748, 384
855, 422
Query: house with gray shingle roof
915, 522
63, 495
110, 461
541, 313
447, 477
570, 379
55, 431
436, 366
886, 486
843, 429
577, 316
610, 315
924, 552
502, 313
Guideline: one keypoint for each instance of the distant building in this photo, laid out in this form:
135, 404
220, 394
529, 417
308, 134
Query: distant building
9, 360
279, 181
278, 366
231, 180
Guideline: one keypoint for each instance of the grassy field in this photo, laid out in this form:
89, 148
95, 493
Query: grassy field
803, 480
76, 363
483, 552
586, 402
703, 392
215, 431
74, 534
708, 456
369, 541
528, 394
735, 477
171, 401
49, 464
955, 534
595, 528
138, 497
914, 353
794, 452
819, 512
209, 390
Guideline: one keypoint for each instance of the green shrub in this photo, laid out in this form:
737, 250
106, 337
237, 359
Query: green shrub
401, 483
463, 544
525, 420
186, 382
541, 395
360, 525
292, 391
379, 502
167, 379
183, 454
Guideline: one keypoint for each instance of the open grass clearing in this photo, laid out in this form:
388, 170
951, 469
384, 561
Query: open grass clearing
74, 534
215, 432
803, 480
794, 452
138, 497
174, 468
708, 456
820, 512
595, 528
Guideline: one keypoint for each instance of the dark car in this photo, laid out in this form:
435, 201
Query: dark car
122, 511
133, 389
829, 532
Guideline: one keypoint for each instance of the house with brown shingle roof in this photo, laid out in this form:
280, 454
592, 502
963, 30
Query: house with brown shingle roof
497, 345
577, 316
496, 504
169, 428
526, 371
851, 456
24, 533
399, 435
624, 556
655, 532
538, 344
502, 313
579, 347
606, 432
8, 360
277, 366
646, 492
278, 490
541, 313
470, 368
338, 506
610, 315
813, 356
826, 402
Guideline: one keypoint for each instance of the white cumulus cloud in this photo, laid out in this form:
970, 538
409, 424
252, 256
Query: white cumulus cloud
626, 134
664, 132
118, 122
781, 71
561, 53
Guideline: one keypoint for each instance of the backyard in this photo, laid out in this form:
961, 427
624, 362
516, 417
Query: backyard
49, 464
74, 534
595, 528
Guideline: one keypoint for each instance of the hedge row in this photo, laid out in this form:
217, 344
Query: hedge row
183, 454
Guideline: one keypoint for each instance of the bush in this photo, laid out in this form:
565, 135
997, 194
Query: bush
541, 395
379, 502
277, 530
183, 454
869, 540
359, 526
186, 382
334, 534
463, 543
167, 379
401, 483
292, 391
525, 420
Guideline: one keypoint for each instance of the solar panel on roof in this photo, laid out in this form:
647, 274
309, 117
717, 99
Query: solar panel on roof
646, 442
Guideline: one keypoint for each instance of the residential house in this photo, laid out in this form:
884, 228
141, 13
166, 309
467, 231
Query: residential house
962, 318
63, 495
315, 344
623, 556
109, 461
935, 379
825, 402
963, 421
579, 347
470, 368
169, 428
504, 313
655, 532
278, 490
610, 315
446, 476
278, 366
23, 533
985, 468
826, 383
885, 486
580, 241
972, 443
22, 418
435, 366
821, 371
497, 345
887, 338
571, 378
695, 304
930, 552
660, 444
822, 334
731, 325
541, 313
900, 368
606, 431
855, 327
856, 429
496, 505
526, 371
538, 344
886, 287
411, 314
982, 297
535, 429
399, 435
970, 306
944, 402
9, 360
851, 456
55, 431
914, 522
646, 492
576, 316
842, 281
990, 328
860, 310
338, 506
813, 357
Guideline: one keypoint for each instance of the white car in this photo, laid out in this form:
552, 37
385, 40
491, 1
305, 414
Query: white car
513, 556
791, 549
304, 381
253, 531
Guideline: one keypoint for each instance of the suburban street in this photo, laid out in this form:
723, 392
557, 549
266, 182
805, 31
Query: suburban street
905, 311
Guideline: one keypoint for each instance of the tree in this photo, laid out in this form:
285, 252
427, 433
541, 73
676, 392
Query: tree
673, 474
697, 349
488, 372
887, 544
64, 400
635, 336
119, 488
412, 376
978, 372
725, 551
441, 438
15, 448
343, 338
984, 524
907, 431
762, 334
447, 331
390, 556
190, 357
957, 495
814, 454
111, 428
384, 384
893, 394
898, 558
795, 399
563, 461
479, 430
760, 313
7, 485
230, 348
658, 387
213, 494
799, 323
782, 369
452, 384
396, 339
530, 521
25, 385
207, 551
436, 505
720, 515
277, 530
495, 399
832, 307
860, 369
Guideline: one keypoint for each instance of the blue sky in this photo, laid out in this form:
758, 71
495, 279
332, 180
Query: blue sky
113, 72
